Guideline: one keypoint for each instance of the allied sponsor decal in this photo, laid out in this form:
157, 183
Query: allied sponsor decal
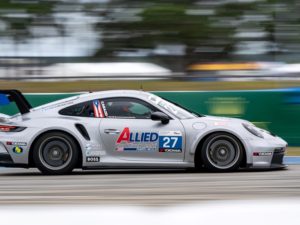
136, 141
17, 150
166, 141
16, 143
98, 112
92, 159
127, 136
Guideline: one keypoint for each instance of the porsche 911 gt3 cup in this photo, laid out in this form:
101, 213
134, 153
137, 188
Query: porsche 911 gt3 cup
129, 129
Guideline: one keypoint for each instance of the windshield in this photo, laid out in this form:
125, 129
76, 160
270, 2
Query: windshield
175, 110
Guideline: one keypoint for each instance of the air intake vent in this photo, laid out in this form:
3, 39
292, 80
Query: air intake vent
279, 150
83, 131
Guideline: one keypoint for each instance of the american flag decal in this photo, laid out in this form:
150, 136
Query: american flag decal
98, 112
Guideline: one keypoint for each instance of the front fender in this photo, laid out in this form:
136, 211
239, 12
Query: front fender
195, 140
200, 137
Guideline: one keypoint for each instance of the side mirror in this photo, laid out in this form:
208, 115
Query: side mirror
156, 116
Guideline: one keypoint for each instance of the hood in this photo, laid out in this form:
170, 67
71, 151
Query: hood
226, 119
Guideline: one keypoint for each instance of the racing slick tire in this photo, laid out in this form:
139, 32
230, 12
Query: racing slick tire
55, 153
222, 152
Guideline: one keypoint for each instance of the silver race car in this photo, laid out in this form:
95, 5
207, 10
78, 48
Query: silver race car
129, 129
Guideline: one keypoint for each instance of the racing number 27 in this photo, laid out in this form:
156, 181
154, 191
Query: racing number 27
170, 142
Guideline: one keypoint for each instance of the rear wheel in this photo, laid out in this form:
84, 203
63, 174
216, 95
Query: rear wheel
55, 153
222, 152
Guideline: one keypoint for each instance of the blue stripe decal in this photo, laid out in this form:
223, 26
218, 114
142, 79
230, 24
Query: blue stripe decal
129, 149
291, 160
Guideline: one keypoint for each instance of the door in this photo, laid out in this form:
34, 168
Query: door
128, 133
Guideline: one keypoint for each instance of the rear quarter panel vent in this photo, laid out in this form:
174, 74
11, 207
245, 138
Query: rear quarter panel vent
81, 129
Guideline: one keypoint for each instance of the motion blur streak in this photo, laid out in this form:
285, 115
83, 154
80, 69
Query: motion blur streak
35, 35
221, 212
146, 188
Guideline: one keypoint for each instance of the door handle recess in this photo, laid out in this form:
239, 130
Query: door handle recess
111, 131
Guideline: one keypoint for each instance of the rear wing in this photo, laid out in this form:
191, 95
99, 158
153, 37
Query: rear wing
7, 96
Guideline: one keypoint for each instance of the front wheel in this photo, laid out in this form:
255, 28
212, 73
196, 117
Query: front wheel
55, 153
222, 152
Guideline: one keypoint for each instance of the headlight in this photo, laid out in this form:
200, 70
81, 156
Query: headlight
253, 130
8, 128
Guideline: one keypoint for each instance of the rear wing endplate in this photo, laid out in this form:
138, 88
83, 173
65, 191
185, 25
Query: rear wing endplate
17, 97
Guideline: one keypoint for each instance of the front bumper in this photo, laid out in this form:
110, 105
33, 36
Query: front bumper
266, 153
6, 161
277, 159
275, 163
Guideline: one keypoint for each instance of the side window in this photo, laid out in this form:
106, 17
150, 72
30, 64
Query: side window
127, 108
84, 109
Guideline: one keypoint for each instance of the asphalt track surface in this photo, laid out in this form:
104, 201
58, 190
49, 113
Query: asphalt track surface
168, 187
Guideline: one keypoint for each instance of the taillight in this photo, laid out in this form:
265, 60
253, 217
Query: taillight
7, 128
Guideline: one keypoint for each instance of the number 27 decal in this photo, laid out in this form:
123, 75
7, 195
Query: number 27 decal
170, 142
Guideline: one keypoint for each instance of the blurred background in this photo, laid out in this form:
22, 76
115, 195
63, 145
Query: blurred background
235, 58
161, 45
178, 39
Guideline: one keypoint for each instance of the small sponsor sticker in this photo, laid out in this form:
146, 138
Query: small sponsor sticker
93, 153
262, 153
170, 133
137, 147
17, 150
104, 108
119, 149
220, 123
16, 143
93, 159
170, 150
